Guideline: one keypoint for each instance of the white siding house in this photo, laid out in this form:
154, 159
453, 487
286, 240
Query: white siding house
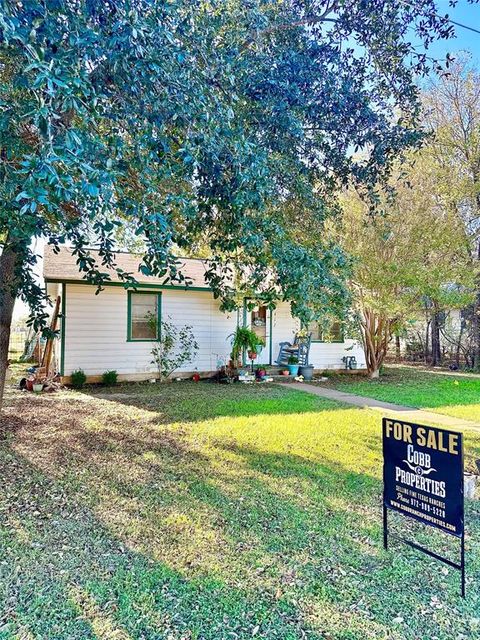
96, 330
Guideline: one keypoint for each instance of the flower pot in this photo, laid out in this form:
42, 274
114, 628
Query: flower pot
293, 369
286, 372
37, 387
306, 371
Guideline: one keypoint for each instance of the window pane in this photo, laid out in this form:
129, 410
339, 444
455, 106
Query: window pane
314, 329
336, 332
333, 331
143, 308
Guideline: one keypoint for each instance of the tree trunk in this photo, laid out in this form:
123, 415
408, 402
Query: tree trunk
436, 350
476, 321
427, 341
398, 350
376, 334
8, 290
458, 346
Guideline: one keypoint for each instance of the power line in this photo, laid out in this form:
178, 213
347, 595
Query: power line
464, 26
457, 24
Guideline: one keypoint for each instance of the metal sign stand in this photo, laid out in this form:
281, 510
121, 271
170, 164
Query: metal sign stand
449, 468
455, 565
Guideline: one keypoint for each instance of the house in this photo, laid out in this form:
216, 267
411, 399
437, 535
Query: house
111, 330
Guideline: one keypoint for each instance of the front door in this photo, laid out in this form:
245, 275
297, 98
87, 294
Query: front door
258, 320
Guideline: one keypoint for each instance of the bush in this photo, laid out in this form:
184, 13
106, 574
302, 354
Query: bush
175, 348
78, 378
110, 377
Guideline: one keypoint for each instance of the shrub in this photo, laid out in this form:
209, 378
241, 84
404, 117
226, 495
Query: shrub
175, 348
78, 378
110, 377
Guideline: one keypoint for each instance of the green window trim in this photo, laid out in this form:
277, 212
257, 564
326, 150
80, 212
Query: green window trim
129, 315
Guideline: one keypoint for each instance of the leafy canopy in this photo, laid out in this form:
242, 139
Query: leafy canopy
181, 122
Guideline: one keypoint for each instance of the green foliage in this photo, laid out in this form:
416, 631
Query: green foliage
78, 378
413, 252
175, 347
292, 360
179, 123
109, 377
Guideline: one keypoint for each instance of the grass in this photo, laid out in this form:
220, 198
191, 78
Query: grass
457, 396
197, 511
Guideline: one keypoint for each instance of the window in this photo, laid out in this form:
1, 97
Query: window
143, 315
326, 332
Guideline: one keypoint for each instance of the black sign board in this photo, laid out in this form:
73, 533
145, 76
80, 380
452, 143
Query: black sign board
423, 479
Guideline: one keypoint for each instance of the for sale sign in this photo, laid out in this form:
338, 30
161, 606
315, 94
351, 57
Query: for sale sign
423, 474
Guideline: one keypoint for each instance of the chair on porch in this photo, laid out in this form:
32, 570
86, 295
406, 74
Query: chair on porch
300, 348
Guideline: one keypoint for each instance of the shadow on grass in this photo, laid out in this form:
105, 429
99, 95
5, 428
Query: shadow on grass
67, 574
131, 529
201, 401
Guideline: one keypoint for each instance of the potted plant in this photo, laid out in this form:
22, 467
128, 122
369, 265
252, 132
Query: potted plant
244, 339
37, 384
293, 365
285, 372
260, 372
306, 371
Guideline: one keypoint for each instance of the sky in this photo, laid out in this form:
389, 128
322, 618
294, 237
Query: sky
467, 14
465, 40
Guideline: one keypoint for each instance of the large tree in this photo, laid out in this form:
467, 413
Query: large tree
180, 120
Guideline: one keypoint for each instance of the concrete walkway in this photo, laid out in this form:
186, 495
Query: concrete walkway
406, 413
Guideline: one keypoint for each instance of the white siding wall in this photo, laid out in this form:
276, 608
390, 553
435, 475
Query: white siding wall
96, 330
323, 355
284, 327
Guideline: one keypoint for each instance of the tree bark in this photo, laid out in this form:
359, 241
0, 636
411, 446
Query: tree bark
398, 350
427, 341
8, 291
376, 332
476, 320
436, 349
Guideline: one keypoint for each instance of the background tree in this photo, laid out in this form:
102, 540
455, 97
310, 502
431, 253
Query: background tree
414, 249
182, 121
452, 108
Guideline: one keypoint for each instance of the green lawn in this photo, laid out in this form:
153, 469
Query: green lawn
197, 511
457, 396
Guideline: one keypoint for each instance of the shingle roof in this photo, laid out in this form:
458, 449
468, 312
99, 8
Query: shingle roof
63, 266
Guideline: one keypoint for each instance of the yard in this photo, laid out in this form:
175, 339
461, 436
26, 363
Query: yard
202, 511
453, 395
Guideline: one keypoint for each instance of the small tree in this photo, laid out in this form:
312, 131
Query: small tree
413, 249
175, 347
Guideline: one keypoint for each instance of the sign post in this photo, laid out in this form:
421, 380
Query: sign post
423, 480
